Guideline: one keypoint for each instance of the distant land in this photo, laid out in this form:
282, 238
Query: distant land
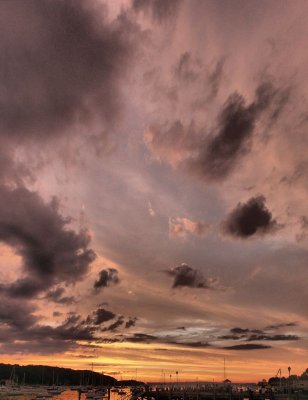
48, 375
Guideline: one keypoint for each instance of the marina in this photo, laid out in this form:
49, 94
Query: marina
219, 391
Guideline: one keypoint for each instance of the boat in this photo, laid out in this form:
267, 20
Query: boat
54, 390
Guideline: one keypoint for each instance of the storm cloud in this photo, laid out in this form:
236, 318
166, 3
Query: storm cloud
251, 218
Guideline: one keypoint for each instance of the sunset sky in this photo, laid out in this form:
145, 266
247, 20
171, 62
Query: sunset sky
153, 186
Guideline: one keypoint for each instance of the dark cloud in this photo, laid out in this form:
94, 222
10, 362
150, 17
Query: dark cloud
252, 335
184, 275
72, 329
21, 330
62, 62
283, 325
108, 340
159, 10
131, 322
232, 138
101, 315
56, 295
119, 322
107, 277
51, 253
16, 315
23, 288
215, 78
231, 337
56, 314
249, 219
142, 338
273, 337
213, 155
238, 330
247, 346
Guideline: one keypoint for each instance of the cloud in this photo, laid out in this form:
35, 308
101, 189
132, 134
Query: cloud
56, 295
119, 322
151, 209
182, 227
214, 154
247, 346
231, 337
16, 315
238, 330
22, 332
131, 322
250, 218
89, 56
108, 340
273, 337
101, 315
192, 344
56, 314
250, 335
107, 277
185, 276
188, 69
158, 10
282, 325
142, 338
51, 253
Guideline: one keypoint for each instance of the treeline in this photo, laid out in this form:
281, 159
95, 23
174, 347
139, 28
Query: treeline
130, 382
45, 375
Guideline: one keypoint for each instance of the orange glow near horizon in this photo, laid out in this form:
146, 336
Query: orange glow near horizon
126, 361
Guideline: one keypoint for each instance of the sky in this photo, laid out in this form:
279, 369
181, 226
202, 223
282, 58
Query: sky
153, 187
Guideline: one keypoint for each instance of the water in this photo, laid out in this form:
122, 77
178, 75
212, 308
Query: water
67, 395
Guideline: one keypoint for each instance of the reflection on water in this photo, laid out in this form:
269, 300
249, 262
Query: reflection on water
67, 395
